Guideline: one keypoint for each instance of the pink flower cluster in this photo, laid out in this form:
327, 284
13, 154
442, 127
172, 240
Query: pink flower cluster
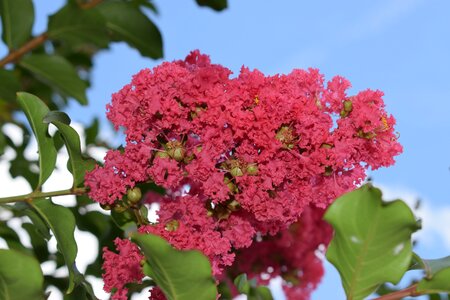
254, 151
292, 254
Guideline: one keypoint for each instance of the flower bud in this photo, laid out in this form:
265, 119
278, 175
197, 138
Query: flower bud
134, 195
348, 106
252, 169
236, 172
161, 154
106, 206
172, 225
233, 205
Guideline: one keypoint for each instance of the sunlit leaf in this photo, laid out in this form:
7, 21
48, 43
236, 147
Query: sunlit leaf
20, 276
181, 275
372, 241
17, 21
78, 166
36, 110
57, 72
128, 23
61, 222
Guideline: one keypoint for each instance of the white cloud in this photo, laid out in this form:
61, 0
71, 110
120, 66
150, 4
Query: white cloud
435, 218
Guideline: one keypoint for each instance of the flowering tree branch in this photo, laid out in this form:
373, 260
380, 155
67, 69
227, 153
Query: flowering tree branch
38, 194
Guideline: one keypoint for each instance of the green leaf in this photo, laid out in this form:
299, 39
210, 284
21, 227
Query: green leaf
430, 266
11, 238
440, 283
61, 222
437, 274
217, 5
36, 110
372, 241
91, 132
181, 275
78, 166
78, 26
38, 243
57, 72
57, 116
9, 85
242, 284
20, 276
128, 23
17, 21
260, 293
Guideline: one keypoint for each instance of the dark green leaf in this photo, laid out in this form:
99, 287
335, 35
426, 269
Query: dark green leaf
78, 26
260, 293
78, 166
91, 132
57, 116
217, 5
242, 284
57, 72
38, 243
20, 276
17, 21
36, 110
62, 223
125, 220
372, 241
9, 85
11, 238
181, 275
127, 23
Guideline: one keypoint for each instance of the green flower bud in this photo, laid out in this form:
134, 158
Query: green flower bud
328, 171
134, 195
172, 225
326, 146
348, 106
161, 154
233, 205
252, 169
236, 172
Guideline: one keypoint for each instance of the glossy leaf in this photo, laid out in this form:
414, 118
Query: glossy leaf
20, 276
128, 23
17, 21
430, 266
251, 289
57, 116
78, 166
217, 5
181, 275
9, 85
440, 283
372, 241
61, 222
36, 110
78, 26
57, 72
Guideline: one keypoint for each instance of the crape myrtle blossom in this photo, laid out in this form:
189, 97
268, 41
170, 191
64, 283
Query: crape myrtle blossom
257, 153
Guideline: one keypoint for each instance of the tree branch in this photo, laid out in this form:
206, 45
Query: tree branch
37, 194
30, 45
398, 295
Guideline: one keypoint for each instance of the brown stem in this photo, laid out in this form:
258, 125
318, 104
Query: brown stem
90, 4
408, 292
30, 45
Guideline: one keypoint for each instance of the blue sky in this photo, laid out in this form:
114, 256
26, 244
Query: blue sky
401, 47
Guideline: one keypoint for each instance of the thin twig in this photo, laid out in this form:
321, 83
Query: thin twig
29, 46
38, 194
408, 292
